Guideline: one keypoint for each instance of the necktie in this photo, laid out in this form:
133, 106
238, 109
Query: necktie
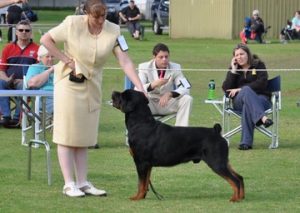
161, 73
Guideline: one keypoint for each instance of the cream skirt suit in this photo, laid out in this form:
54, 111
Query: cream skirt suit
77, 105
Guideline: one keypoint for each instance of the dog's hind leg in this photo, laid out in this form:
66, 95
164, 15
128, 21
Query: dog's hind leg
242, 189
234, 181
144, 180
148, 179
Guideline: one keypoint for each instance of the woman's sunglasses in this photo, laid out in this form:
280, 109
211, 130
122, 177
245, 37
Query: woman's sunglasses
22, 30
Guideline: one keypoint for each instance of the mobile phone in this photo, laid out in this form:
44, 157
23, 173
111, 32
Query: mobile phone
235, 62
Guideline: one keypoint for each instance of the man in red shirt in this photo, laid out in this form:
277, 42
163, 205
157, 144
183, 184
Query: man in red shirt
23, 51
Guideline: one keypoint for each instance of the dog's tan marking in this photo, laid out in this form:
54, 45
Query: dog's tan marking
143, 186
131, 152
242, 187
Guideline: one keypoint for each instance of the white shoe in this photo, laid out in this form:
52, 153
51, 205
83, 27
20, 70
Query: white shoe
89, 189
71, 190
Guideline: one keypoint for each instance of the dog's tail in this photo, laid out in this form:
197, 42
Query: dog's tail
218, 128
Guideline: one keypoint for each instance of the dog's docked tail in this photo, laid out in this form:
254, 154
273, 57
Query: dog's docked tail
218, 128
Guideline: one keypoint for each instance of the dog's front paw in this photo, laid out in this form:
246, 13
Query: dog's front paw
133, 198
138, 196
235, 199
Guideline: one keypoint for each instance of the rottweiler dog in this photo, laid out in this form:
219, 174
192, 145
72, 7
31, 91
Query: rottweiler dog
155, 144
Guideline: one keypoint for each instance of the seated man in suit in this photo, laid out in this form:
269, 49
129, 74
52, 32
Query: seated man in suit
168, 89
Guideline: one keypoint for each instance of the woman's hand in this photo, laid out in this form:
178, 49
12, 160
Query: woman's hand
71, 63
233, 92
233, 65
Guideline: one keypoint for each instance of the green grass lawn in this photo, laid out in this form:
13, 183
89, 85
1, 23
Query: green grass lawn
272, 177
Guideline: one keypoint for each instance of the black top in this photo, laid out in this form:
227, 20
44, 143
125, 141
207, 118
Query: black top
131, 13
256, 78
257, 25
14, 14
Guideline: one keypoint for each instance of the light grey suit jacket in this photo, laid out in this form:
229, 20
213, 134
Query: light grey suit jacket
148, 73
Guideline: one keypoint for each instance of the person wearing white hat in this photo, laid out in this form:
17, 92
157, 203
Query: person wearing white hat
255, 12
253, 28
257, 26
40, 75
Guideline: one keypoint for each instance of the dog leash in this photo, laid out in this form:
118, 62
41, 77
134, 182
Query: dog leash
159, 196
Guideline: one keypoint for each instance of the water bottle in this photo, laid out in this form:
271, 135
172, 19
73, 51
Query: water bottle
211, 90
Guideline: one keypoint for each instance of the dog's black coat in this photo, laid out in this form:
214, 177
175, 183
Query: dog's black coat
153, 143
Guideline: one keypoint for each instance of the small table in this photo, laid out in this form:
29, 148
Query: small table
218, 104
40, 120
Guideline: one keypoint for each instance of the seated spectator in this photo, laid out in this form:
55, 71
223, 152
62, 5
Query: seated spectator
40, 76
131, 15
168, 90
253, 28
22, 51
246, 82
296, 25
15, 14
286, 33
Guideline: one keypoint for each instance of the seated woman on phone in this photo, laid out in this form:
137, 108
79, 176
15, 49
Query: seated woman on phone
246, 83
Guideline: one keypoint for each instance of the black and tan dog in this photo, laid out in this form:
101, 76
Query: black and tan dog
154, 144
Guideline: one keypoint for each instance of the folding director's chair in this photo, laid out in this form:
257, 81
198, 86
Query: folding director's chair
274, 86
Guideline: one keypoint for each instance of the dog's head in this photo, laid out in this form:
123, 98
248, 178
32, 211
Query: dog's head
128, 100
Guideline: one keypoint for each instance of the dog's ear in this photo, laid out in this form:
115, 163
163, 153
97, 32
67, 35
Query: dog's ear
128, 104
128, 107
